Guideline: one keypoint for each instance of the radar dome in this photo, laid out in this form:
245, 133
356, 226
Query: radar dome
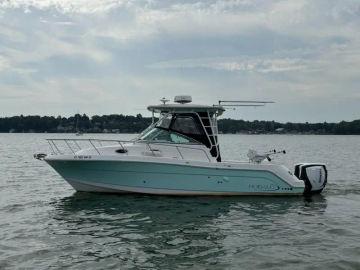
183, 99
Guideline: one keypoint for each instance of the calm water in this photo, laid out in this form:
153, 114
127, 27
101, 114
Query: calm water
45, 224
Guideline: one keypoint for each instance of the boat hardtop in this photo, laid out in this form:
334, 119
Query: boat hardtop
163, 108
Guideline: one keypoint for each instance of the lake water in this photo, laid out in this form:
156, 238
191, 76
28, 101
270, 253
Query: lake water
44, 224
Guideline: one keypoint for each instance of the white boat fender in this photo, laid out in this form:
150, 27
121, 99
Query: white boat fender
314, 176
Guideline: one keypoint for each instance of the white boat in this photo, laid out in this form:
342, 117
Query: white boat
177, 155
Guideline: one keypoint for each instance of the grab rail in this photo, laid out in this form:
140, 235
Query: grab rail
55, 149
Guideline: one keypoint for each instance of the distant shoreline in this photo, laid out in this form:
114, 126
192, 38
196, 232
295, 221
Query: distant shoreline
129, 124
252, 134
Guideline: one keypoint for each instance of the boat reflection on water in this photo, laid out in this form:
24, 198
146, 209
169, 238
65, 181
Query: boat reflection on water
157, 232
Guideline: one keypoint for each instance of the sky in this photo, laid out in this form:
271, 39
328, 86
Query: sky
61, 57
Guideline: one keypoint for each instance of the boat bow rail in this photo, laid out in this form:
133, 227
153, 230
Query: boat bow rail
64, 146
73, 146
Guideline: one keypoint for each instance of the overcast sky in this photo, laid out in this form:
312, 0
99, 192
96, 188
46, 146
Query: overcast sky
60, 57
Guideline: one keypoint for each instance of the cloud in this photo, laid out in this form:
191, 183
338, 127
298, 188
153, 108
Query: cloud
68, 6
86, 53
243, 65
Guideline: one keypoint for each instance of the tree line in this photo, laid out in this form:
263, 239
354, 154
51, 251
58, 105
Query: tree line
115, 123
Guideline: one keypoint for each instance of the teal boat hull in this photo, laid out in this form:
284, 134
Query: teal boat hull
169, 179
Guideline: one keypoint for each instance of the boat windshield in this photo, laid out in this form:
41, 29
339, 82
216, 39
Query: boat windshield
160, 134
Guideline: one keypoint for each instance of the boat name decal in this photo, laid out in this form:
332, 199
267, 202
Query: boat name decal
266, 187
82, 157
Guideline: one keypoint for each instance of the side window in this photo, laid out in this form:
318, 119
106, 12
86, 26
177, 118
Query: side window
186, 125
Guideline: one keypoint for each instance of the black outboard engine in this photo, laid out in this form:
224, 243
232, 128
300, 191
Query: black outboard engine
314, 175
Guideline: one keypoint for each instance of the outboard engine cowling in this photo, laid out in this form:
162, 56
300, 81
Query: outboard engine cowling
314, 175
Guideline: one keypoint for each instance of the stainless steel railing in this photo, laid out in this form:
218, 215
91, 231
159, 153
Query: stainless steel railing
75, 145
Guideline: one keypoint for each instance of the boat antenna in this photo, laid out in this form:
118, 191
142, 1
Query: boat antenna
164, 100
243, 103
